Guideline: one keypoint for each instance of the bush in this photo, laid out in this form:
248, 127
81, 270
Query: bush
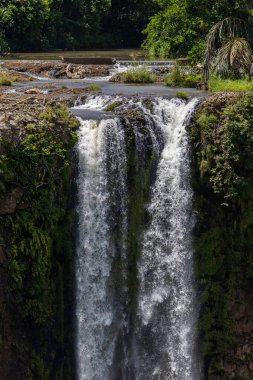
192, 80
138, 75
178, 78
182, 95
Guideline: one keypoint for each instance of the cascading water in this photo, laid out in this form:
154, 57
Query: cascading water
142, 328
102, 203
166, 303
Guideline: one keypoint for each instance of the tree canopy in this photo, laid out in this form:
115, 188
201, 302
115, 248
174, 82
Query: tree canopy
172, 28
72, 24
180, 26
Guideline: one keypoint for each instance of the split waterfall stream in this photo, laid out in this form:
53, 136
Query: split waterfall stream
136, 302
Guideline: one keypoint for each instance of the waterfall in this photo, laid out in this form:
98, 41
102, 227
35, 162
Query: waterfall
149, 332
166, 302
101, 205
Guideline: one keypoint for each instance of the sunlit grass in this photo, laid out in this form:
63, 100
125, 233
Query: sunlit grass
218, 84
138, 75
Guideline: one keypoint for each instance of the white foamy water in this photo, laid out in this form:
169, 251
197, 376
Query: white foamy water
161, 341
97, 326
167, 312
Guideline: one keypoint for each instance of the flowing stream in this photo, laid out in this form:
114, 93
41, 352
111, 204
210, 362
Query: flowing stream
137, 306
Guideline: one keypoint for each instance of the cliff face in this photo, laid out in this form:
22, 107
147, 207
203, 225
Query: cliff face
222, 168
36, 256
36, 261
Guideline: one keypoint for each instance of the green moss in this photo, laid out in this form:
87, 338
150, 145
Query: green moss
40, 164
222, 170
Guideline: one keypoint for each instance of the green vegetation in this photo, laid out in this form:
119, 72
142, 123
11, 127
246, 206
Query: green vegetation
93, 87
5, 81
47, 24
6, 78
218, 84
111, 106
228, 46
184, 95
223, 180
37, 240
179, 27
138, 75
178, 78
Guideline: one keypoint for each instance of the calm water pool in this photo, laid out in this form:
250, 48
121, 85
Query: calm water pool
55, 54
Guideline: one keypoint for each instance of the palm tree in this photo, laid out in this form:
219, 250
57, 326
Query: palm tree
228, 47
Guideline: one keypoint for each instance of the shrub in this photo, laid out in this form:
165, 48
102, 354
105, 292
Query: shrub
138, 75
176, 78
179, 78
192, 80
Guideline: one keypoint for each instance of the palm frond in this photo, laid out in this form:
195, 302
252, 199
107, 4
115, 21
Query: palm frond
234, 54
228, 28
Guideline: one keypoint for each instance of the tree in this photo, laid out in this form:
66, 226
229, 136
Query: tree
229, 46
127, 19
23, 22
180, 26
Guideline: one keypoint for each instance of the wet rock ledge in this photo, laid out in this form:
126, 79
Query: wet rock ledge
55, 69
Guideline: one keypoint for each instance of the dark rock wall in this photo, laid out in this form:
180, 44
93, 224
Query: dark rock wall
36, 253
222, 170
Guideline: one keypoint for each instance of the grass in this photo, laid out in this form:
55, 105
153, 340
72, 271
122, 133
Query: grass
182, 95
138, 75
5, 81
111, 106
218, 84
93, 87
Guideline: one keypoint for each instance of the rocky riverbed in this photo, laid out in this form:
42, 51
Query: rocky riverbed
54, 69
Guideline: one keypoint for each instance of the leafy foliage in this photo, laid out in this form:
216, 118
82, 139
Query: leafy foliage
179, 27
76, 24
227, 47
223, 180
40, 165
179, 78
